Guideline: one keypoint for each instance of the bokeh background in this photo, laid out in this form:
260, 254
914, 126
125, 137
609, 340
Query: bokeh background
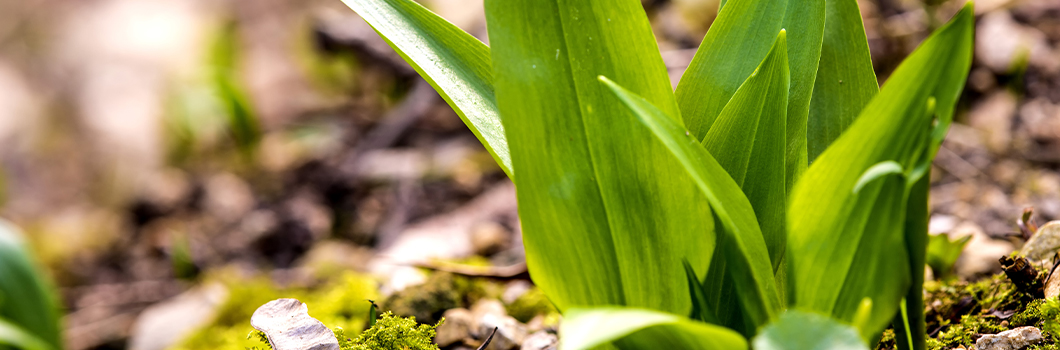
156, 151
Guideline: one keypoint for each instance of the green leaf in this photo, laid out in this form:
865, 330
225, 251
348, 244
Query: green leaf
916, 237
805, 22
845, 80
700, 304
748, 140
607, 216
837, 234
796, 330
28, 300
739, 235
13, 335
729, 53
642, 329
456, 64
736, 42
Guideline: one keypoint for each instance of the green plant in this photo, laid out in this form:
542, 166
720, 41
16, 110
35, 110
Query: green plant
29, 314
777, 176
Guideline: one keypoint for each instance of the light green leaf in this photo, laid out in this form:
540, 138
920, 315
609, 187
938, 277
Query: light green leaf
607, 216
797, 330
11, 334
836, 234
456, 64
877, 171
739, 235
748, 140
643, 329
28, 300
845, 80
738, 39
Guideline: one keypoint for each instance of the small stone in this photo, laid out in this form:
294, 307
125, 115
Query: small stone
540, 340
1052, 285
1012, 339
489, 238
289, 327
981, 254
510, 333
458, 325
164, 324
1044, 243
485, 307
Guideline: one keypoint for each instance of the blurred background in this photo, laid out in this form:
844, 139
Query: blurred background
177, 163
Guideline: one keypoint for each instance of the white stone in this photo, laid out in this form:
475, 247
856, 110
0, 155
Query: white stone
1044, 243
1012, 339
288, 326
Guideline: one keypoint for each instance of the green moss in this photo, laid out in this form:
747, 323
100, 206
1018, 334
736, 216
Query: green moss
530, 304
337, 304
394, 333
442, 291
961, 311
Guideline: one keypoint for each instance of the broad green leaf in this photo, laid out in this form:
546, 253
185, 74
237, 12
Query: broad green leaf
456, 64
643, 329
27, 300
738, 234
845, 80
748, 140
797, 330
13, 335
737, 40
607, 216
837, 234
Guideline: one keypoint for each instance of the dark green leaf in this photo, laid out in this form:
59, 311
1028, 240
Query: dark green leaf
456, 64
607, 216
28, 302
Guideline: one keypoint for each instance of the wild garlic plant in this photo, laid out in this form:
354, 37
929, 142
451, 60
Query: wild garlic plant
776, 199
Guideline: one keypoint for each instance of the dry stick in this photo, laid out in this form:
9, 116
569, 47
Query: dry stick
488, 339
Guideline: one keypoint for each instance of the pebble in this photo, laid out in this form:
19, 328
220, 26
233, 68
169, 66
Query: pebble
541, 340
490, 313
458, 325
1012, 339
1044, 243
164, 324
981, 254
289, 327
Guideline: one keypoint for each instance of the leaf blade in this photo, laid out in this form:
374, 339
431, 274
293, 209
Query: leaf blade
845, 81
456, 64
600, 226
895, 126
645, 329
751, 276
27, 301
802, 330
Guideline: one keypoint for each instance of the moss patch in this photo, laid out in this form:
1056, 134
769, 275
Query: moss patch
341, 303
959, 312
